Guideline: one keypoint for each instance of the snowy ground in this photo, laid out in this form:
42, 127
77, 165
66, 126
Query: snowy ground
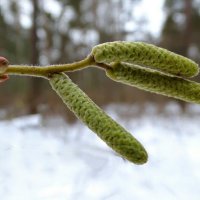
51, 160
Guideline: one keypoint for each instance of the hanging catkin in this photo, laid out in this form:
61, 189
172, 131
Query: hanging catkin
145, 54
97, 120
154, 81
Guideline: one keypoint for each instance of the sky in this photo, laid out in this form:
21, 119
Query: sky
153, 13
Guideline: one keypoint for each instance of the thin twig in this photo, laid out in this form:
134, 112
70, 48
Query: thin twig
45, 71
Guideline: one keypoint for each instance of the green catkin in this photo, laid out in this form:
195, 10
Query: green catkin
97, 120
145, 55
154, 81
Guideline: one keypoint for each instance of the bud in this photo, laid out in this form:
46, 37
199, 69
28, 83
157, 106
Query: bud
3, 78
3, 65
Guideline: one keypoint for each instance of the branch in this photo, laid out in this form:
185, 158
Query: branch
120, 60
46, 71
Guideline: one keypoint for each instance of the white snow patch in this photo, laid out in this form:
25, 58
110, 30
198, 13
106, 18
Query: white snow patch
39, 161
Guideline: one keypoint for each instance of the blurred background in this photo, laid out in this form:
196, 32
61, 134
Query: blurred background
48, 32
43, 155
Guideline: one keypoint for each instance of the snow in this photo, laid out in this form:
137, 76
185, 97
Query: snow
48, 159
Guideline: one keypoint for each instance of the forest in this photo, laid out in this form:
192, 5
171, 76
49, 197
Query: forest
47, 32
155, 138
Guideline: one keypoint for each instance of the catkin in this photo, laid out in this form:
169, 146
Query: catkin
97, 120
145, 55
154, 81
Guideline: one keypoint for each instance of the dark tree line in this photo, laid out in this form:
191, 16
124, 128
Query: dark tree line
69, 30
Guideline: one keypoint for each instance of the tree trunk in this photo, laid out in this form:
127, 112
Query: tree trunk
35, 84
187, 34
188, 27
